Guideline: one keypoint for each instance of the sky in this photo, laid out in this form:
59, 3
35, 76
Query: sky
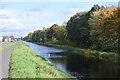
20, 18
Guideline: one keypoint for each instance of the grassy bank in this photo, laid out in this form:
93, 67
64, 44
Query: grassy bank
87, 52
25, 63
8, 45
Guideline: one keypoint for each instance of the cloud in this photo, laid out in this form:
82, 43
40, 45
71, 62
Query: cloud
22, 22
12, 22
15, 25
27, 21
4, 17
73, 10
16, 34
10, 13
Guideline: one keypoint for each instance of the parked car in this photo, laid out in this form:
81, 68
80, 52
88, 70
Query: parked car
12, 40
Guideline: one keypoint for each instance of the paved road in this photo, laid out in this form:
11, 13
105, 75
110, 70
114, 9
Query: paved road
4, 43
6, 54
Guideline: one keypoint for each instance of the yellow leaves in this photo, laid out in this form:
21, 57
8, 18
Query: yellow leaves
107, 14
87, 53
108, 11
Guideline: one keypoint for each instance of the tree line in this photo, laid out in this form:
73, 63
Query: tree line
96, 29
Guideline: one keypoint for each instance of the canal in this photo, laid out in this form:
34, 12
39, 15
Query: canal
76, 65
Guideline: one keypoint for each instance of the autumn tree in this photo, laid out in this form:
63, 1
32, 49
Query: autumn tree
105, 29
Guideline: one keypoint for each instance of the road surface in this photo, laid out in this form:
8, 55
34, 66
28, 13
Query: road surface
4, 43
6, 54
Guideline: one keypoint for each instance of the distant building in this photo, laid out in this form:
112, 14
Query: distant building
7, 38
12, 37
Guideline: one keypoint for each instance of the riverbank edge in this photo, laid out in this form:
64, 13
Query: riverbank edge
105, 56
15, 69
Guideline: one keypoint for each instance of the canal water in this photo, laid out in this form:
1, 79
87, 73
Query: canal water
74, 64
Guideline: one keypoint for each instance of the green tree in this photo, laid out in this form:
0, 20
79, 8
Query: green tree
78, 30
78, 27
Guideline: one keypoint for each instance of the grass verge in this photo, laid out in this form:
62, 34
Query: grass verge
25, 63
8, 45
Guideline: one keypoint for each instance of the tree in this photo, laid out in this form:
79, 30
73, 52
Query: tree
106, 29
96, 8
64, 24
37, 36
56, 32
93, 23
12, 37
78, 27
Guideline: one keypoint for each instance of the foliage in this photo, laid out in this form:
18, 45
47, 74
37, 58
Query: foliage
37, 35
54, 33
78, 27
57, 32
105, 29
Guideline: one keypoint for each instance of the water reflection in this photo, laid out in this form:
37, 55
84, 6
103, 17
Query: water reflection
43, 50
89, 68
76, 65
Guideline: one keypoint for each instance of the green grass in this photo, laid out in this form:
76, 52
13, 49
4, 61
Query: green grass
8, 45
25, 63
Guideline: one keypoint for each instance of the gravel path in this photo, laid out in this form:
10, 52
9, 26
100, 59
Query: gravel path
6, 54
